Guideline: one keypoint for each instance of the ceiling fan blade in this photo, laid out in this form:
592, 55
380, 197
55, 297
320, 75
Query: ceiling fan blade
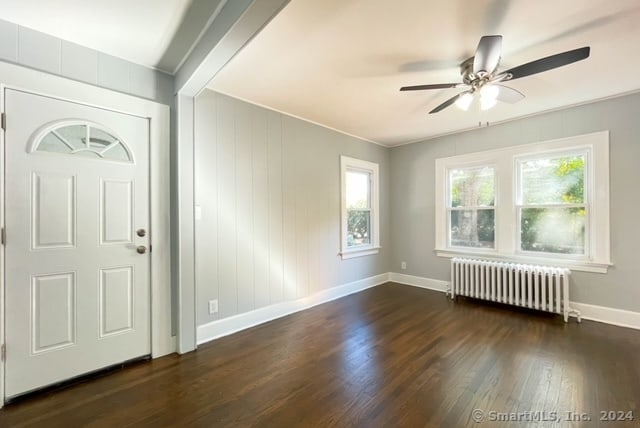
509, 95
549, 63
435, 86
447, 103
487, 54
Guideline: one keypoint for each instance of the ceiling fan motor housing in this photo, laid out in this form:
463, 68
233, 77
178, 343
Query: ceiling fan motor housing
466, 70
471, 79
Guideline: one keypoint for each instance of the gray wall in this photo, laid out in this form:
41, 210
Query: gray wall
29, 48
412, 193
269, 188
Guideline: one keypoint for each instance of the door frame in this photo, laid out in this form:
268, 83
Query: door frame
39, 83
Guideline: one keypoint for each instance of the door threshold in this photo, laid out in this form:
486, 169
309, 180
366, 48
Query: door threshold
87, 377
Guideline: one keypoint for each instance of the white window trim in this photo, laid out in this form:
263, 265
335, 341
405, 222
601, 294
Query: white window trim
506, 233
374, 247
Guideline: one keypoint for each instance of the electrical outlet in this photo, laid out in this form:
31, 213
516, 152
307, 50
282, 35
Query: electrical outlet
213, 306
403, 265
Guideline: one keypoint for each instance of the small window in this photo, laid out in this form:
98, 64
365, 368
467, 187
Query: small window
83, 139
472, 195
358, 208
552, 204
360, 231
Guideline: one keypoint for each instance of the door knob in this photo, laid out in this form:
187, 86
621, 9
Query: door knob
141, 249
141, 232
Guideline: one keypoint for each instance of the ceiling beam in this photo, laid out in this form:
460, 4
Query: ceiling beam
236, 23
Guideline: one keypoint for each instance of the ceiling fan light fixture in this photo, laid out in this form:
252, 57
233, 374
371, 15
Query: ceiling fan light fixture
488, 96
489, 91
487, 103
464, 101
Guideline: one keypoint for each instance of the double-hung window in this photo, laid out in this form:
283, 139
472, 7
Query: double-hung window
552, 203
360, 224
544, 202
471, 208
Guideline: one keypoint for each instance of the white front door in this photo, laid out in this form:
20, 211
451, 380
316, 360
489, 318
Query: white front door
77, 257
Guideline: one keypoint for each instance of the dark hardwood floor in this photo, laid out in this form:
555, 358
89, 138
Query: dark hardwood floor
391, 356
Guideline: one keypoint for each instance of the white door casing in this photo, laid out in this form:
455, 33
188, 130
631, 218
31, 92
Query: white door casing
77, 292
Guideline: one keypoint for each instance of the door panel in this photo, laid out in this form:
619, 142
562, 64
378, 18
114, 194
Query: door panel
53, 311
53, 202
116, 300
77, 292
116, 212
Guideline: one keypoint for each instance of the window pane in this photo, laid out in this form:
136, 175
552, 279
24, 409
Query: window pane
358, 189
51, 143
358, 227
553, 181
100, 139
553, 230
473, 228
74, 135
117, 152
472, 187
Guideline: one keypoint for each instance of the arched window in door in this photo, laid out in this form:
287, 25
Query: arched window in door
83, 138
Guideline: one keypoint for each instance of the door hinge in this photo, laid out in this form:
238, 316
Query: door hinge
4, 121
150, 248
3, 236
3, 353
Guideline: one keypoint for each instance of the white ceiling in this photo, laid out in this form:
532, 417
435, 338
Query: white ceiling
340, 63
154, 33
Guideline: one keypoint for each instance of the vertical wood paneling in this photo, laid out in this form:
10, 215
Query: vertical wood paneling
244, 207
322, 251
269, 189
314, 253
302, 150
259, 146
302, 241
332, 200
316, 219
206, 196
226, 168
274, 153
289, 170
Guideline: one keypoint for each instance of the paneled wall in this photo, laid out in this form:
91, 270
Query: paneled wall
268, 191
23, 46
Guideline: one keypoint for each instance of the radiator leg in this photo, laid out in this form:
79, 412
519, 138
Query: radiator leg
576, 313
449, 291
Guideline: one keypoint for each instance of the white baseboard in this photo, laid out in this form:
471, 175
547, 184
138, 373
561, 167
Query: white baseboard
602, 314
226, 326
607, 315
419, 281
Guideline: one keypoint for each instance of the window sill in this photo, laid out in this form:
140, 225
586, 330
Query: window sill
575, 265
360, 252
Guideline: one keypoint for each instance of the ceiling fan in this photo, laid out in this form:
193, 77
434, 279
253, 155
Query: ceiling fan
480, 74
